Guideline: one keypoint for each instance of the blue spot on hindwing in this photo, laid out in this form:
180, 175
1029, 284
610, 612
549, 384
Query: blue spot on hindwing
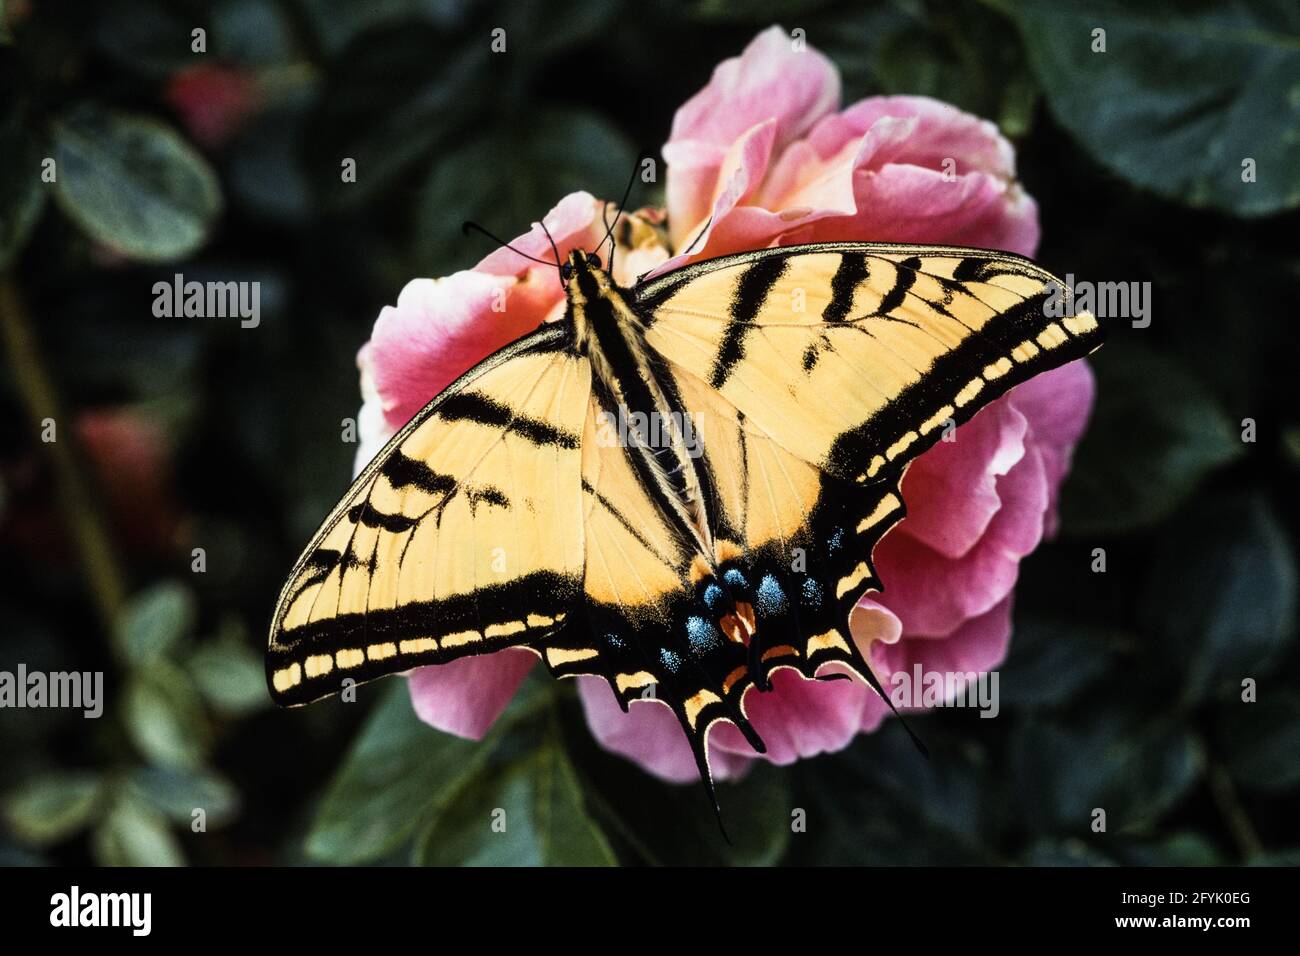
714, 597
671, 661
771, 599
735, 578
812, 592
702, 634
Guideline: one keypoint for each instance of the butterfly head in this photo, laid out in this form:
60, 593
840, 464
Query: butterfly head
579, 264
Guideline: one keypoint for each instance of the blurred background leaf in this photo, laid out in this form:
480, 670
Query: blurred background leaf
52, 807
132, 183
155, 622
1223, 615
1155, 434
1181, 94
133, 835
526, 809
557, 153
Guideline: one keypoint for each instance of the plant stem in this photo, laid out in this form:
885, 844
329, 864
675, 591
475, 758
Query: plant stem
1224, 792
77, 501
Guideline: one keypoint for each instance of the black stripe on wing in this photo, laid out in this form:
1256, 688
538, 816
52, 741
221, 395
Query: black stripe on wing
752, 289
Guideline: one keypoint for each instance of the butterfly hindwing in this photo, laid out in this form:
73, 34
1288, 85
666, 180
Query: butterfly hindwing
643, 629
462, 536
796, 540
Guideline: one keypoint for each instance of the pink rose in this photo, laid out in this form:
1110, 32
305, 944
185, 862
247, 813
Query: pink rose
214, 102
763, 156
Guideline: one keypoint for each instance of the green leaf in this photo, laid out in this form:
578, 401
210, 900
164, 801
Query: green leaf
163, 718
155, 621
1285, 857
529, 812
230, 675
426, 99
673, 824
22, 194
1221, 599
253, 32
133, 835
1052, 661
176, 793
338, 22
882, 802
264, 174
1058, 853
559, 153
960, 52
555, 26
1181, 96
1178, 849
398, 772
1155, 434
133, 183
52, 807
1261, 742
1134, 770
149, 37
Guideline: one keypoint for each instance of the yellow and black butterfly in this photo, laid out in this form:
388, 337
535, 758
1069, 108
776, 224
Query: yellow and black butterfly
678, 486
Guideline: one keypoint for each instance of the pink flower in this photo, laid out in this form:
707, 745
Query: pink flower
214, 102
763, 156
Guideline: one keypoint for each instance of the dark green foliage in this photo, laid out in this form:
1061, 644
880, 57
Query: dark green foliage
1123, 691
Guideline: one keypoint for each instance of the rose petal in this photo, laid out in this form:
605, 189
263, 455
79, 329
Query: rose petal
735, 177
650, 735
373, 430
979, 645
798, 717
951, 490
440, 328
465, 697
903, 203
934, 595
935, 132
770, 82
1057, 405
573, 223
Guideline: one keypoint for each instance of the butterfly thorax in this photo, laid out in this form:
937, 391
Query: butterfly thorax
637, 406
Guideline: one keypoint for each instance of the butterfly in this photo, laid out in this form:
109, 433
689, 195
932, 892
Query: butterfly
677, 487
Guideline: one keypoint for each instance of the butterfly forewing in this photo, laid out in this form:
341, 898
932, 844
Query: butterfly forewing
855, 356
463, 536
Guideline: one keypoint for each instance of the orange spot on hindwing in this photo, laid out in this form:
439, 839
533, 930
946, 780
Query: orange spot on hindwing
739, 625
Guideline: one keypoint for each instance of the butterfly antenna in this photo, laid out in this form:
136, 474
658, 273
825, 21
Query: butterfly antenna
698, 236
609, 231
467, 226
554, 248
